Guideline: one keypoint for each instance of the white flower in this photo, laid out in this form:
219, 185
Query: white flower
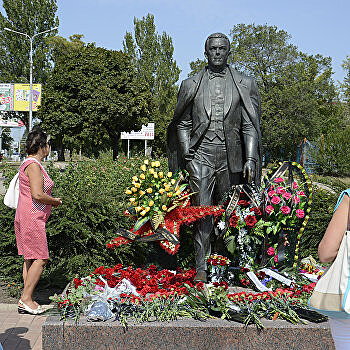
221, 225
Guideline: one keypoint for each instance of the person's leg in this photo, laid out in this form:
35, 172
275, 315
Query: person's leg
32, 279
26, 265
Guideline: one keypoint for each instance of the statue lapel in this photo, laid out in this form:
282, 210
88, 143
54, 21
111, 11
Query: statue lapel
228, 96
206, 94
243, 92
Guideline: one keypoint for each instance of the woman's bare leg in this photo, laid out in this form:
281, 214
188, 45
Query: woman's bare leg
32, 278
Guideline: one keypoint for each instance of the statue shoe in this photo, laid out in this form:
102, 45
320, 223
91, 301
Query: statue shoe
201, 276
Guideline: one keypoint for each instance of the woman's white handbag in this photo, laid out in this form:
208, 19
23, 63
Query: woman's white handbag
12, 193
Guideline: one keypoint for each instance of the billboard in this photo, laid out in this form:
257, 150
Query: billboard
6, 97
21, 97
11, 123
146, 133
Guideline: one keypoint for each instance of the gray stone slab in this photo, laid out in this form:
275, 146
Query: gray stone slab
184, 334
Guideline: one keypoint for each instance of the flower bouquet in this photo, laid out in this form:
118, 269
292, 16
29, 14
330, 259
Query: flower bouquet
159, 201
217, 265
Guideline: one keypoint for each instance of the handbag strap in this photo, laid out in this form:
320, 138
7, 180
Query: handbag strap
348, 225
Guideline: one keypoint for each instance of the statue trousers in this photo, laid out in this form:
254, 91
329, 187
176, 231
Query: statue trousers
210, 179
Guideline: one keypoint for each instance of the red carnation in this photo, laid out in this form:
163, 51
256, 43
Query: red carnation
234, 220
243, 203
222, 262
256, 211
250, 220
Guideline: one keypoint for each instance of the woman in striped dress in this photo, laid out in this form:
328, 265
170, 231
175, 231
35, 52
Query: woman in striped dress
33, 210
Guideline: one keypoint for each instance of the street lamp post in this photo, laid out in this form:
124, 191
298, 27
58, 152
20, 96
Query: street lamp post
31, 69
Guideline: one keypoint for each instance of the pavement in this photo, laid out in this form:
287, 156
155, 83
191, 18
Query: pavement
19, 331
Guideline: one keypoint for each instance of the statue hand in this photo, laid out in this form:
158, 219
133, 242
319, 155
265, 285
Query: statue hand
249, 170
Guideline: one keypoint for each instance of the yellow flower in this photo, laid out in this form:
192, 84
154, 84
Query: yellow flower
133, 189
172, 181
149, 190
161, 191
141, 193
169, 174
143, 213
157, 164
143, 167
153, 164
155, 175
142, 176
167, 188
135, 178
164, 207
151, 171
170, 194
147, 209
138, 209
132, 200
137, 185
161, 174
128, 192
151, 203
146, 161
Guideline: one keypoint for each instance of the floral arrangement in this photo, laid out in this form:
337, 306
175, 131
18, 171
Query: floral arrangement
166, 295
154, 193
219, 260
160, 204
260, 216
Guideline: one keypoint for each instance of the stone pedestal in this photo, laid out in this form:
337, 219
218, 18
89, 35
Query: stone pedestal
184, 334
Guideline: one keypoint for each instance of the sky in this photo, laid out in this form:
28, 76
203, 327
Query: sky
315, 26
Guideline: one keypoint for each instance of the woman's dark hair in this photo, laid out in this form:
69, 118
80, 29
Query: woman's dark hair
36, 139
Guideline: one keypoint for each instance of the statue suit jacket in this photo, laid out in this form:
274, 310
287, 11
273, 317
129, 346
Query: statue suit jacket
192, 118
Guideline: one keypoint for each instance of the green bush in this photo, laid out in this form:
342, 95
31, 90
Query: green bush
322, 210
332, 153
93, 195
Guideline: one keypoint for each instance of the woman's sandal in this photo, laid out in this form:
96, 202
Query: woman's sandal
25, 309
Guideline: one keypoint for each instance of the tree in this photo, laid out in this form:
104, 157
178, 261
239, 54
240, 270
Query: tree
92, 96
297, 91
6, 139
152, 55
31, 17
346, 85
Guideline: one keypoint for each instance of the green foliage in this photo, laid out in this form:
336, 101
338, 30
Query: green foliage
321, 214
30, 17
93, 205
346, 86
92, 96
331, 155
152, 55
6, 139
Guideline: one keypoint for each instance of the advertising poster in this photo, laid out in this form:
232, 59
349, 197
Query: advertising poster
21, 97
6, 97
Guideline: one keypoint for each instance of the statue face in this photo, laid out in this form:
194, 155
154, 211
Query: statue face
217, 53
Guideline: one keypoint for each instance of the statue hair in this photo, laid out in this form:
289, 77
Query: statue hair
217, 35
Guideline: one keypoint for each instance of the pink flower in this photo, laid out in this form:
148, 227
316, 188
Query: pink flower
275, 259
279, 180
272, 193
280, 190
301, 193
296, 199
285, 209
269, 209
295, 185
300, 213
276, 200
271, 251
287, 196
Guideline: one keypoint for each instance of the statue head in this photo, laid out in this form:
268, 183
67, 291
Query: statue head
217, 50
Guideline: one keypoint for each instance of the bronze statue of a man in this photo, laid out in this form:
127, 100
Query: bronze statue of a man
215, 135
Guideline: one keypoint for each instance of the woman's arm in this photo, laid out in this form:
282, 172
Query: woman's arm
36, 183
329, 246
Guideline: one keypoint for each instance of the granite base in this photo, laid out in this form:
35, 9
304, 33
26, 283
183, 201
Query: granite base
184, 334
